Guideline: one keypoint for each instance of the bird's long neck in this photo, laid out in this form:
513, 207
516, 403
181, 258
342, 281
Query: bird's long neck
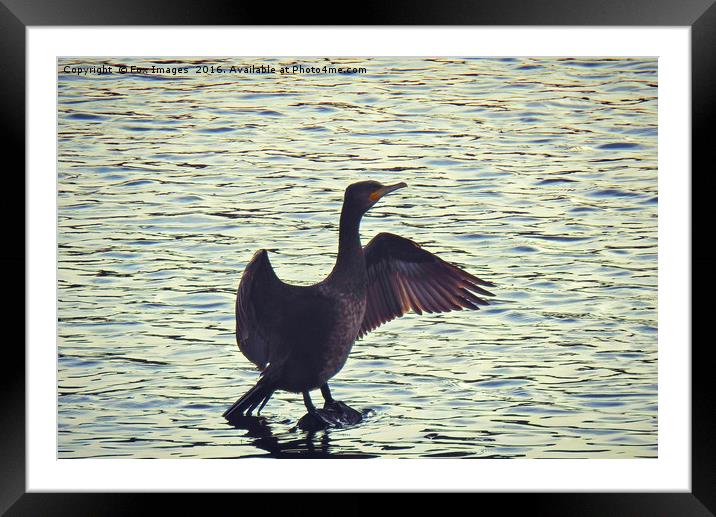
350, 250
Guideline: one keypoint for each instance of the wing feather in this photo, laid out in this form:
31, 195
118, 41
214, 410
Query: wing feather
403, 277
257, 310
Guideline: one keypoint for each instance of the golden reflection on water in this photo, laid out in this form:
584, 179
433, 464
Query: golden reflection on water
537, 174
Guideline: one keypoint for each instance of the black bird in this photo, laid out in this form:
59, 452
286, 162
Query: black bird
300, 336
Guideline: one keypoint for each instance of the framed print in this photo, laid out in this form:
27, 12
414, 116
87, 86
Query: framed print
546, 184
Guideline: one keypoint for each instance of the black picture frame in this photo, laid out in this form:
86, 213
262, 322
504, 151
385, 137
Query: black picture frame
17, 15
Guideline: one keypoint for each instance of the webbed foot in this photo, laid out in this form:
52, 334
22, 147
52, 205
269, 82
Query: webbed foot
333, 414
316, 420
343, 412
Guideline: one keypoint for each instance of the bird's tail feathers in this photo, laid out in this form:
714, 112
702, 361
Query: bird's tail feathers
257, 396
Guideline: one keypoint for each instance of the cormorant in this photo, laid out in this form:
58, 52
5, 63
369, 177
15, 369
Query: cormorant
300, 336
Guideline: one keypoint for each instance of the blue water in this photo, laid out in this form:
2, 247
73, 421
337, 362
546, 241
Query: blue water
537, 174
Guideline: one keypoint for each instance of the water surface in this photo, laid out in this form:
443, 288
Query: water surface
537, 174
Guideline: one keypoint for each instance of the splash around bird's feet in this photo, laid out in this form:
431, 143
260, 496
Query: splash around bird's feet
333, 414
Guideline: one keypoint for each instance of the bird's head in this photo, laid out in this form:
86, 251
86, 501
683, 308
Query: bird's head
361, 196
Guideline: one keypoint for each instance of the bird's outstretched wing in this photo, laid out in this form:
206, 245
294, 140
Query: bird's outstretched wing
402, 277
258, 310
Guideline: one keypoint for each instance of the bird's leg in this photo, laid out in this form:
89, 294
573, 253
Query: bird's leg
308, 402
315, 419
333, 414
339, 410
326, 392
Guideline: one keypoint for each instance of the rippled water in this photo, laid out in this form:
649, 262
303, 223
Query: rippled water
537, 174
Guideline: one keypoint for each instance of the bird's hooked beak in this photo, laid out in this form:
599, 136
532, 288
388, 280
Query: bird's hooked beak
387, 189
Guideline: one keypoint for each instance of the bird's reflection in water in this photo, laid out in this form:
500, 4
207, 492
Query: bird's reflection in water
310, 444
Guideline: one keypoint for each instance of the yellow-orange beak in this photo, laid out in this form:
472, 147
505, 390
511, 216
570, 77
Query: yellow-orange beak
387, 189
